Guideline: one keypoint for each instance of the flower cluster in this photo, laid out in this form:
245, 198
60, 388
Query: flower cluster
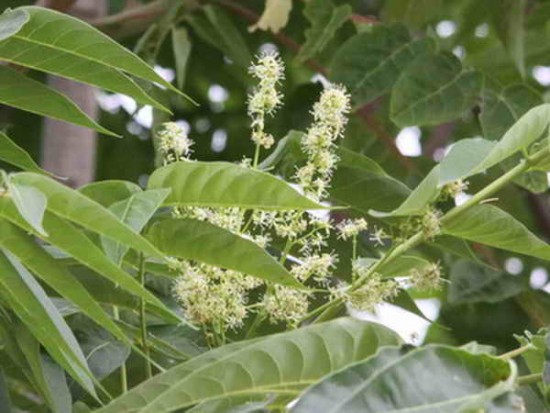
329, 119
427, 278
350, 228
173, 143
265, 98
219, 299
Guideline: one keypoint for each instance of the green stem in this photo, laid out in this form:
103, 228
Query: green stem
143, 321
418, 238
517, 352
123, 371
529, 379
256, 156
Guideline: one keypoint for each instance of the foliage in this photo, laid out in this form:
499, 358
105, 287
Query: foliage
224, 258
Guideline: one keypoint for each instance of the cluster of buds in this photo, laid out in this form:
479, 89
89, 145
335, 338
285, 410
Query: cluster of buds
317, 266
431, 223
452, 189
285, 304
329, 119
265, 98
350, 228
173, 143
427, 278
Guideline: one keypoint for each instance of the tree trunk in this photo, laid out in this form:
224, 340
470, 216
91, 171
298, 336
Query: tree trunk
69, 150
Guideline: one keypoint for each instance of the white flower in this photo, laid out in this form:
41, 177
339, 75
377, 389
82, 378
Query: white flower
173, 143
350, 228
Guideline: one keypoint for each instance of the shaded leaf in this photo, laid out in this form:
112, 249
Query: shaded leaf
284, 364
108, 192
13, 154
433, 90
508, 18
418, 200
54, 273
47, 375
136, 211
29, 301
5, 400
492, 226
445, 379
325, 20
71, 240
472, 283
370, 63
221, 184
196, 240
21, 92
501, 109
181, 46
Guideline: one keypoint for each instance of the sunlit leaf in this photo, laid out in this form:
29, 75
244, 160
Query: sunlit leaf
221, 184
24, 93
11, 21
201, 241
31, 203
275, 15
283, 364
463, 156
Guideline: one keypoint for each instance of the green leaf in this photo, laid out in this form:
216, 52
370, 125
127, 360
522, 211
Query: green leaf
433, 90
5, 400
219, 30
201, 241
282, 364
501, 109
400, 267
29, 301
525, 131
49, 377
135, 212
74, 206
426, 192
21, 92
221, 184
492, 226
55, 274
537, 357
370, 63
181, 46
472, 283
325, 20
103, 353
414, 13
508, 18
71, 240
13, 154
11, 21
61, 44
463, 156
107, 193
446, 379
30, 202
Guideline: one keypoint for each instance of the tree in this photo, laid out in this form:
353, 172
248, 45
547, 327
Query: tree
287, 170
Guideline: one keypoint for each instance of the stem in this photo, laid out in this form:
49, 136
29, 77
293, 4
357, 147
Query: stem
123, 371
418, 238
143, 321
256, 156
514, 353
529, 379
